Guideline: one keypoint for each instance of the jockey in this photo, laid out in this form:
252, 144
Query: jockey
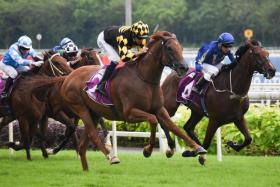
68, 50
70, 53
15, 60
210, 56
117, 41
62, 44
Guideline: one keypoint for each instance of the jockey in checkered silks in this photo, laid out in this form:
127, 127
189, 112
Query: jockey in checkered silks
68, 50
209, 58
116, 42
15, 60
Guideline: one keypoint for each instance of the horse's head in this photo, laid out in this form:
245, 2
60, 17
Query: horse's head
54, 65
89, 57
259, 58
172, 51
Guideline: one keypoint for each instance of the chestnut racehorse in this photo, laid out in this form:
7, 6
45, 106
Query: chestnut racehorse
226, 99
135, 92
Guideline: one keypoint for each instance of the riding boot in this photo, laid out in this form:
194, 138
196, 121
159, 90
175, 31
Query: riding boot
101, 86
199, 85
9, 83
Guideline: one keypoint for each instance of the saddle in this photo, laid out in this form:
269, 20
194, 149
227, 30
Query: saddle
185, 93
92, 83
5, 109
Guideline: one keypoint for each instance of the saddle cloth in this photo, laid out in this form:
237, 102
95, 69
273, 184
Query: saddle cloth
185, 94
92, 83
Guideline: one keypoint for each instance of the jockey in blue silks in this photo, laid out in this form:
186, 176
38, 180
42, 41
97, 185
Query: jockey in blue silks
15, 60
210, 56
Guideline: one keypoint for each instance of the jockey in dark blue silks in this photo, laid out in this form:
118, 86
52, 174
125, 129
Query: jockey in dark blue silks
62, 44
210, 56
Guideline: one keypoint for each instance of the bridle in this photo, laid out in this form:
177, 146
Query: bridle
55, 70
169, 64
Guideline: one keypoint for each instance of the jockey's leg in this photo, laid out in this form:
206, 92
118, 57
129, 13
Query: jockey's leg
12, 73
199, 85
101, 86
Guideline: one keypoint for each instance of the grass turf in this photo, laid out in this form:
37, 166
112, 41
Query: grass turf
134, 170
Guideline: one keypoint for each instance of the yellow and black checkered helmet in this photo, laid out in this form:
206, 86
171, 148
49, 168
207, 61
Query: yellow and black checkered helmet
140, 29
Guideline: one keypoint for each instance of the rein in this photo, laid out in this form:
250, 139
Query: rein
163, 42
53, 67
233, 95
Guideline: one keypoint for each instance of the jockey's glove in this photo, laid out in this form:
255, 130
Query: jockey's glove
38, 63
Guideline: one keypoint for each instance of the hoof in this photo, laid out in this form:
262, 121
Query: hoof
114, 160
146, 153
202, 160
169, 153
45, 156
50, 151
188, 153
200, 151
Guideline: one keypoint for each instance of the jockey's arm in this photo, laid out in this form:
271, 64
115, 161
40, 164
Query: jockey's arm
18, 58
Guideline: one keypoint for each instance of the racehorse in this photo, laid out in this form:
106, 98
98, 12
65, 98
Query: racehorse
135, 92
25, 108
57, 110
226, 99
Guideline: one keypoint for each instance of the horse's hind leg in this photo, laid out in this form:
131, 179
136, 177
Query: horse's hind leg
170, 142
42, 135
5, 121
70, 130
242, 126
164, 119
191, 124
82, 150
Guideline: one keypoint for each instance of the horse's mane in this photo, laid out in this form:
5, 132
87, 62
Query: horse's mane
159, 35
39, 85
244, 47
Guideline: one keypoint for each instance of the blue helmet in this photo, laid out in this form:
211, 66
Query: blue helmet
226, 38
64, 42
25, 42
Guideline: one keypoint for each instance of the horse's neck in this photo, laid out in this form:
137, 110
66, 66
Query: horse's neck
242, 76
150, 67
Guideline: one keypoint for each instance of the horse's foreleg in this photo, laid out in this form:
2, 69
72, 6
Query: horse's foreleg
24, 132
165, 120
135, 114
242, 126
148, 149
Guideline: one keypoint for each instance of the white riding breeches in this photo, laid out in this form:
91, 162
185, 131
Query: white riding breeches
209, 71
11, 71
107, 48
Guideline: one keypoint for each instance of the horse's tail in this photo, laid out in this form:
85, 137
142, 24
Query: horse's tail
40, 85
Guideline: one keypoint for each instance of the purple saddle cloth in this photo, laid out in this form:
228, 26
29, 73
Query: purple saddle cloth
185, 94
91, 85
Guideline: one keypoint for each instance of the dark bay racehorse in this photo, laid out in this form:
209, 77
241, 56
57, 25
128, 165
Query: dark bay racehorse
226, 99
54, 106
27, 109
135, 92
